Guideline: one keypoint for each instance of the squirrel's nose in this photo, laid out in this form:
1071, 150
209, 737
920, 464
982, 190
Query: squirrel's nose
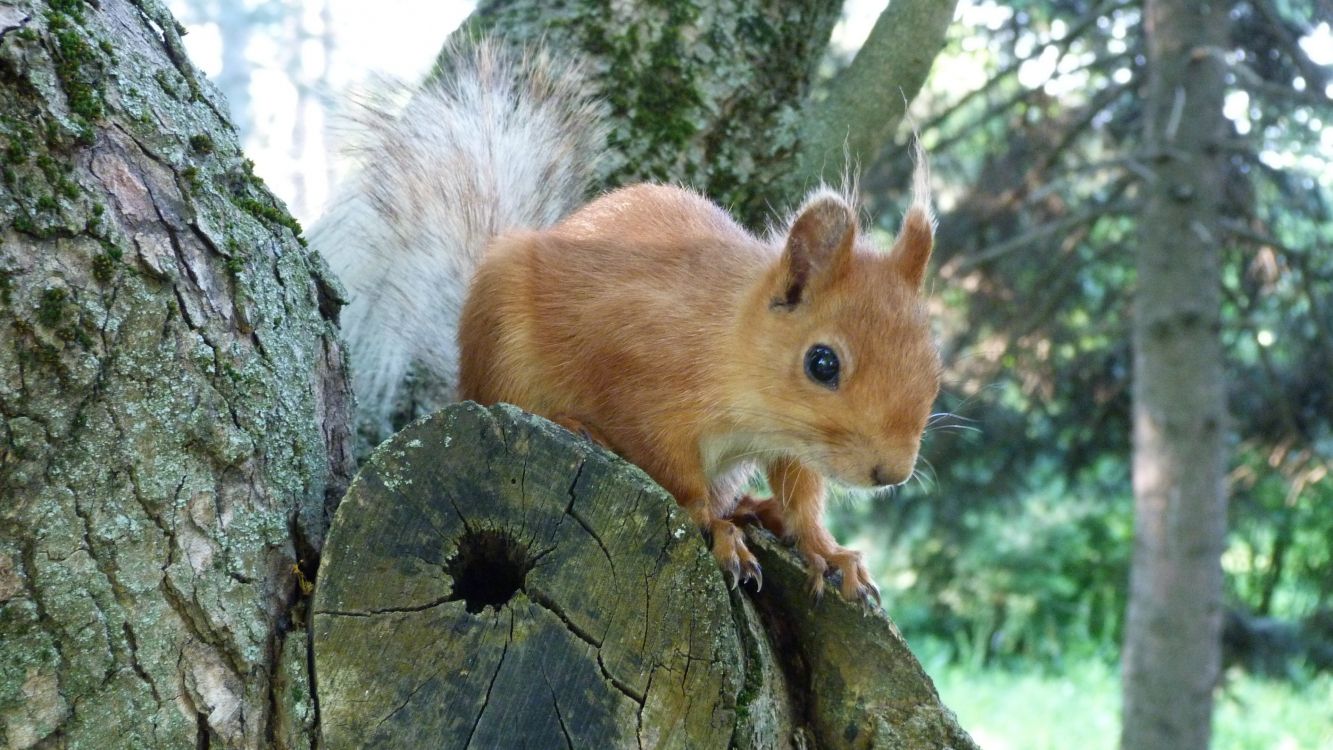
882, 476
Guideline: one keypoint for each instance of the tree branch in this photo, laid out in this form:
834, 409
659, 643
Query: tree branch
1024, 240
868, 99
1315, 76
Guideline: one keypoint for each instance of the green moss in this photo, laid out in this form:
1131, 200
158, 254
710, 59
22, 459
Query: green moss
191, 176
24, 224
104, 267
245, 184
51, 310
69, 7
78, 66
47, 355
111, 249
20, 143
6, 286
47, 203
75, 334
163, 79
201, 143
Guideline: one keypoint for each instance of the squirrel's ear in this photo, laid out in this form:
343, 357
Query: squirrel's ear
911, 250
819, 247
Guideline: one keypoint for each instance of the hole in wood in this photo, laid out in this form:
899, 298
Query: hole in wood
488, 569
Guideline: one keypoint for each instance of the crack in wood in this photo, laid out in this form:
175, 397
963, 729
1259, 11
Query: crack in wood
569, 511
486, 701
638, 720
192, 615
408, 699
388, 610
555, 703
538, 597
134, 662
545, 602
629, 692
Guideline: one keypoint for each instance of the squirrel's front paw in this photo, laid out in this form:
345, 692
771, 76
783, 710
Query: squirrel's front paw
731, 553
766, 513
856, 582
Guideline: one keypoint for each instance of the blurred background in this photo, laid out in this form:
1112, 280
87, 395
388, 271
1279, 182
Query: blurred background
1007, 565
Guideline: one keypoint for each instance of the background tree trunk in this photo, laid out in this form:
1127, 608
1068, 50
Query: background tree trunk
1173, 624
175, 408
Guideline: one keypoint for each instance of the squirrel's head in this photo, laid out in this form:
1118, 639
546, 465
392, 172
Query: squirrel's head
843, 364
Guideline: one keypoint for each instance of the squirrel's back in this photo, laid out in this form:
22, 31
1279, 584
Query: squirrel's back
605, 300
498, 140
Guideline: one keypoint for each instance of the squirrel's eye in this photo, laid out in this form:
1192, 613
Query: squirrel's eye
821, 364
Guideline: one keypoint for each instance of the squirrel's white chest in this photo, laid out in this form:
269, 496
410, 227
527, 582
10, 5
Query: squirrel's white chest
729, 461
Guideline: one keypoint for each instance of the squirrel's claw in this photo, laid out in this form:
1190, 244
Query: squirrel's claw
754, 573
856, 584
732, 555
871, 590
817, 587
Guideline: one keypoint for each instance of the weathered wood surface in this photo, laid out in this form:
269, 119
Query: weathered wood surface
493, 581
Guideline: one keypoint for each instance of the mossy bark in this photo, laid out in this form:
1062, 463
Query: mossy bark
493, 581
708, 95
175, 408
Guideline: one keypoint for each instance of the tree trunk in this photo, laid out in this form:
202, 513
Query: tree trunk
1173, 623
493, 581
175, 408
707, 96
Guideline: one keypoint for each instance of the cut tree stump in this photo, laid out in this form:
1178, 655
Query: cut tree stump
493, 581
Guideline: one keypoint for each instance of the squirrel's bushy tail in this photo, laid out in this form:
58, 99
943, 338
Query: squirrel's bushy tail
498, 140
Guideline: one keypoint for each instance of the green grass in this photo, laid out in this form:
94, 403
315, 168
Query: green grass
1007, 710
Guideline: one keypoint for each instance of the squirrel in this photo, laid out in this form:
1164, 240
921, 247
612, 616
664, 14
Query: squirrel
649, 320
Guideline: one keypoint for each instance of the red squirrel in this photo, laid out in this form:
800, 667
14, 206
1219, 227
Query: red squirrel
654, 322
648, 319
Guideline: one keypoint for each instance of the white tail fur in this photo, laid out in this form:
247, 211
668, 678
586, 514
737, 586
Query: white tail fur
500, 140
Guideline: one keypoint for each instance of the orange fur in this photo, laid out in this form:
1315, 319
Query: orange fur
680, 339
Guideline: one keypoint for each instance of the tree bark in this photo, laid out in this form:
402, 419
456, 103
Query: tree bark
493, 581
175, 407
1173, 624
717, 96
706, 95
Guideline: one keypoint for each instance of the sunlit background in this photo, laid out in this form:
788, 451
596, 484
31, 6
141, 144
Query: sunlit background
286, 67
1021, 674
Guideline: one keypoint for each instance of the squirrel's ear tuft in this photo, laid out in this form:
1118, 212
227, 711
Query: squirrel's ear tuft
911, 250
818, 249
916, 238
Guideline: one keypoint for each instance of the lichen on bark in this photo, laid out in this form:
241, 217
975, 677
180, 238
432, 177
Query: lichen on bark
174, 404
